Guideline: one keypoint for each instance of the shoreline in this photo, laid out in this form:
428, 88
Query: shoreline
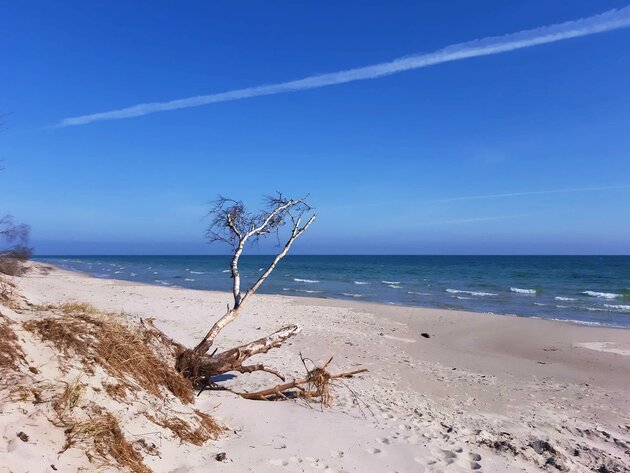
480, 393
345, 302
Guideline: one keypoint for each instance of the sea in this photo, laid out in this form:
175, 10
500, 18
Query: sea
591, 290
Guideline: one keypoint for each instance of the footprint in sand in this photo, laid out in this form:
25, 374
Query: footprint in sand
278, 462
374, 451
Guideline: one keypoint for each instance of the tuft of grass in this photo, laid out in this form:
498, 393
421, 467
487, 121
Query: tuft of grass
116, 391
123, 352
71, 308
11, 353
102, 435
206, 427
69, 398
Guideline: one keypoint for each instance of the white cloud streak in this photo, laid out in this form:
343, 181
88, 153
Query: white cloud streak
608, 21
522, 194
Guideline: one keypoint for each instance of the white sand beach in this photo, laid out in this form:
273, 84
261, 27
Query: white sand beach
479, 393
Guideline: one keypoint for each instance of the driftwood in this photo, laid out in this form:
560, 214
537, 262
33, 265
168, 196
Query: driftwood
316, 387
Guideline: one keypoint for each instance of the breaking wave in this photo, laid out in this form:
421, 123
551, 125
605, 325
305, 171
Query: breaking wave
618, 307
602, 295
470, 293
308, 281
518, 290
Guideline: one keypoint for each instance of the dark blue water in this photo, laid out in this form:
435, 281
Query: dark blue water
585, 289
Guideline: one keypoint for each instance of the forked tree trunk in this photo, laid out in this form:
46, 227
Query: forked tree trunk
198, 364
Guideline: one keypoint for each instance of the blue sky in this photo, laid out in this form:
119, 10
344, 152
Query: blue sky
389, 162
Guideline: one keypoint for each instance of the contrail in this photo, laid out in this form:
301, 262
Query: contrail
607, 21
520, 194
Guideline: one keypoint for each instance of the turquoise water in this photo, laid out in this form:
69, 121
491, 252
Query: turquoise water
584, 289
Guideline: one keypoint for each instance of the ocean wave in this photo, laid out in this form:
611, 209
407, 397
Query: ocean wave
518, 290
308, 281
197, 272
361, 283
602, 295
463, 298
584, 322
618, 307
419, 293
225, 271
391, 282
352, 295
133, 274
562, 298
307, 291
610, 308
394, 286
470, 293
189, 279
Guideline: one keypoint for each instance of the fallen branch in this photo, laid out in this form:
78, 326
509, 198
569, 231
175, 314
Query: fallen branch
317, 386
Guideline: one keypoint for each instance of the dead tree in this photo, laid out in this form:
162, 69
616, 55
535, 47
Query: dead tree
233, 224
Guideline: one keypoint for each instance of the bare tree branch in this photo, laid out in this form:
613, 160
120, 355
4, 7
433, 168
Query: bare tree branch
234, 224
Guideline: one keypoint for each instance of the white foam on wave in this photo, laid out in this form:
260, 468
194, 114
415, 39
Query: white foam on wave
602, 295
463, 298
618, 307
197, 272
518, 290
393, 286
361, 283
189, 279
306, 291
584, 322
392, 283
133, 274
562, 298
610, 308
225, 271
348, 294
307, 281
419, 293
470, 293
